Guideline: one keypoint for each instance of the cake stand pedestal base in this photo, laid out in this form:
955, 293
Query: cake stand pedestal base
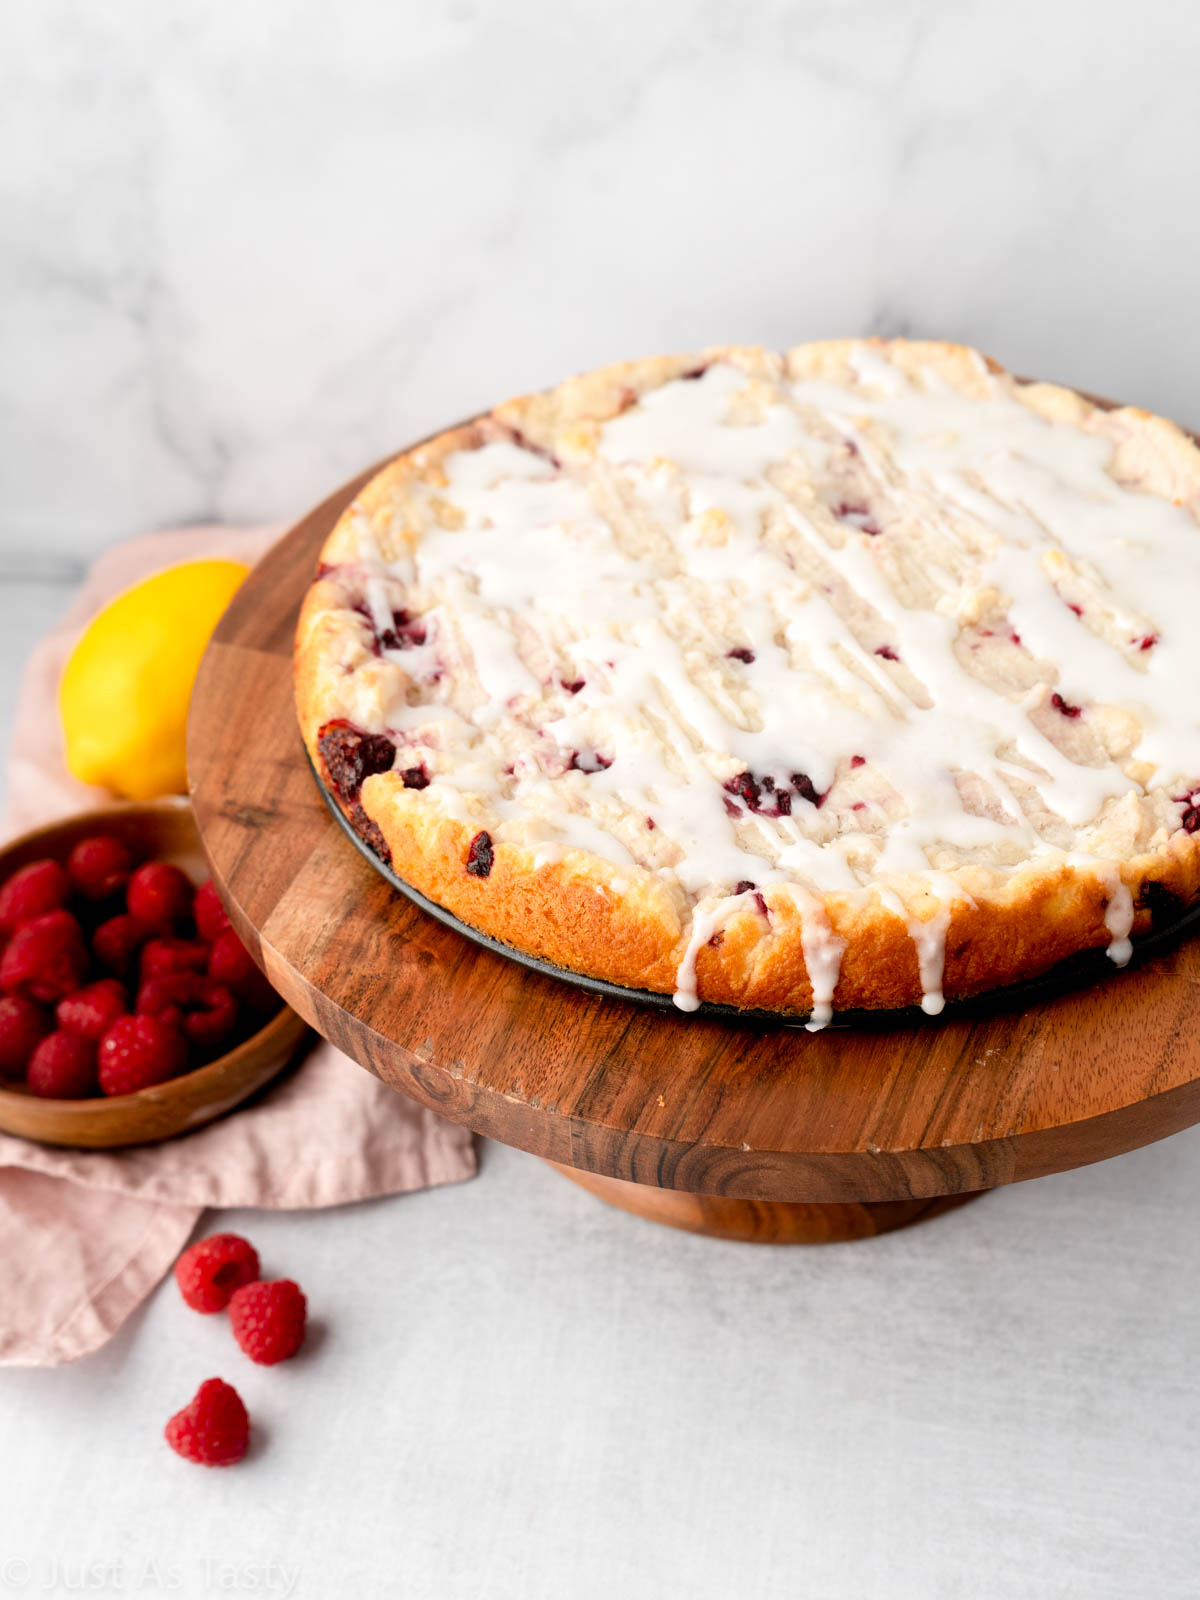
762, 1221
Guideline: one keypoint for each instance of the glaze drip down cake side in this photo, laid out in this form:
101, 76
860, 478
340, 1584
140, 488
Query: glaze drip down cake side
854, 676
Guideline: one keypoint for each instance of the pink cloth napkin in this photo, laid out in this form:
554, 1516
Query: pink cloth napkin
85, 1236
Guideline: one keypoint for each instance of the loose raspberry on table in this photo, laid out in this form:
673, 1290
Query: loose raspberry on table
232, 964
23, 1025
159, 892
117, 941
37, 888
138, 1052
211, 918
63, 1067
268, 1320
45, 959
100, 865
210, 1270
92, 1010
213, 1429
162, 956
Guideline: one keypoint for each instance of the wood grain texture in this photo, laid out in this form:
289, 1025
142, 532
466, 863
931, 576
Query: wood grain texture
687, 1103
762, 1221
162, 830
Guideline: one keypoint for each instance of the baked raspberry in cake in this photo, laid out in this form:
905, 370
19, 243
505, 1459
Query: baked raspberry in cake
855, 676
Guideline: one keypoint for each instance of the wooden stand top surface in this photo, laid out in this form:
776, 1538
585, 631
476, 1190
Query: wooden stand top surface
618, 1089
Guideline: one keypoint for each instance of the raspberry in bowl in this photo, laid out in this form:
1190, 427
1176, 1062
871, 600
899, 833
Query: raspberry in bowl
129, 1011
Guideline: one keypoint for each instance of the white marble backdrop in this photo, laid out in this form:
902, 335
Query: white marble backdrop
247, 248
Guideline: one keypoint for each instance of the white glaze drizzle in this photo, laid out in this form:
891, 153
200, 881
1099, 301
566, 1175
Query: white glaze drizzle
1118, 919
929, 938
1118, 913
823, 952
708, 918
642, 568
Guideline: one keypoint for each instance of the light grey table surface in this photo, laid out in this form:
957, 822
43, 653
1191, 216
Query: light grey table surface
246, 250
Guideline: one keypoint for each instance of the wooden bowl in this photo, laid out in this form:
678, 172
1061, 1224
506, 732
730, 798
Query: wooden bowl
165, 830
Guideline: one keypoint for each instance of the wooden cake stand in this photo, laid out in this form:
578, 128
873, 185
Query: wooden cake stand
744, 1132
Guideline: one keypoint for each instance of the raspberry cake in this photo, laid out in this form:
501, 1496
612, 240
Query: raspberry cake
854, 676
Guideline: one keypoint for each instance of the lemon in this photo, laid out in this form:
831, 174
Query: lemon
125, 691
